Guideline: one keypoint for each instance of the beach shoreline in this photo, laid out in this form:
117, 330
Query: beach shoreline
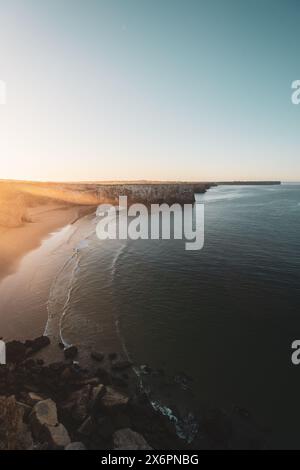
16, 242
31, 255
38, 261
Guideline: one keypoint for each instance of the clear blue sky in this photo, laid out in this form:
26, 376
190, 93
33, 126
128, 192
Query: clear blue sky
149, 89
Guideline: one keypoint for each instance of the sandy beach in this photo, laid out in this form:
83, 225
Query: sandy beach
34, 283
44, 220
31, 255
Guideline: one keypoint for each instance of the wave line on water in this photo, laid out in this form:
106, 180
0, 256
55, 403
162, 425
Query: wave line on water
59, 296
69, 294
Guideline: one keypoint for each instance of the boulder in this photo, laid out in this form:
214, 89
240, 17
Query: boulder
26, 409
56, 436
126, 439
97, 393
113, 400
37, 344
97, 356
75, 446
71, 352
44, 413
45, 425
34, 398
15, 352
79, 403
88, 427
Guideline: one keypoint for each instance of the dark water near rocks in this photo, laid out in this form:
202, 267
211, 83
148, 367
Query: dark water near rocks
220, 321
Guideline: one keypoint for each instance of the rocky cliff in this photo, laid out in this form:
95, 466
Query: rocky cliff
17, 197
95, 194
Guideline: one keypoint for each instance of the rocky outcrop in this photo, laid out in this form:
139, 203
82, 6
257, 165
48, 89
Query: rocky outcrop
113, 401
45, 426
78, 403
70, 352
57, 437
62, 406
44, 413
126, 439
17, 197
97, 356
16, 351
151, 193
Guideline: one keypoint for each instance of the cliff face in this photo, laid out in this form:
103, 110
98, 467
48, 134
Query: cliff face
170, 193
16, 197
95, 194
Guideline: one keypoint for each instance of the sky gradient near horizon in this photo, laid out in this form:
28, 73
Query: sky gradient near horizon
149, 89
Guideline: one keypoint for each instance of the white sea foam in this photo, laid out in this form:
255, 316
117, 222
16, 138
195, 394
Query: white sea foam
63, 283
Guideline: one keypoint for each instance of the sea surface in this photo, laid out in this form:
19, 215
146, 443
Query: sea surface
214, 327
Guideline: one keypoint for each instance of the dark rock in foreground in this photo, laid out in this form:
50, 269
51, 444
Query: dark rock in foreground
97, 356
126, 439
71, 352
62, 406
16, 351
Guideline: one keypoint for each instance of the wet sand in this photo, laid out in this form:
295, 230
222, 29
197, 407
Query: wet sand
36, 282
30, 258
15, 243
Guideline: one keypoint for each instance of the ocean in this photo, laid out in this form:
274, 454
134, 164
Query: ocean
206, 329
